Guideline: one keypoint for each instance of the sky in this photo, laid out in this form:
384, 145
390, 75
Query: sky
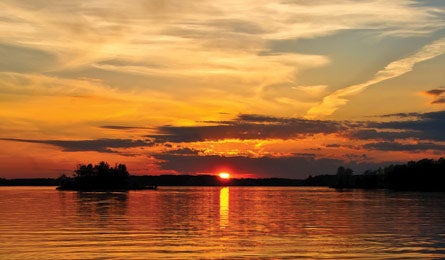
276, 88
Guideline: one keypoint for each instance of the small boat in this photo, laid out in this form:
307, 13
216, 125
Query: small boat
150, 187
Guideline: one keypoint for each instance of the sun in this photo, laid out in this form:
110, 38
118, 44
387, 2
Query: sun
224, 175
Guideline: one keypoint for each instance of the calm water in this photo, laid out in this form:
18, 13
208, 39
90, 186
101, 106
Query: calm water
220, 223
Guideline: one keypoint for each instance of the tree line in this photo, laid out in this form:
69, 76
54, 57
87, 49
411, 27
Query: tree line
422, 175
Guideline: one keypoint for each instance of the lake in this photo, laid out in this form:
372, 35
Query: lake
220, 223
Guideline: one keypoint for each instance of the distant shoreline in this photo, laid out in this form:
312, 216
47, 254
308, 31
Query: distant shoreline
423, 175
171, 180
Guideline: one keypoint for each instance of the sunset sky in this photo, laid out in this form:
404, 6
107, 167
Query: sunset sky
276, 88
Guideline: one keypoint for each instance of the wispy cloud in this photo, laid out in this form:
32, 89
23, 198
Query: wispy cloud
196, 51
232, 33
394, 69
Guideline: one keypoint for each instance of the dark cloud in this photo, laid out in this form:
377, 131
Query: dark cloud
427, 127
367, 134
118, 127
437, 95
183, 151
247, 126
439, 101
430, 126
436, 92
394, 146
97, 145
402, 115
312, 155
354, 157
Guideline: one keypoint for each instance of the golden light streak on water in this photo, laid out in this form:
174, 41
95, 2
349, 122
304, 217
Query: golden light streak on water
223, 207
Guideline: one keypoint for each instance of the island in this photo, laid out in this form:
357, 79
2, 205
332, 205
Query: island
100, 177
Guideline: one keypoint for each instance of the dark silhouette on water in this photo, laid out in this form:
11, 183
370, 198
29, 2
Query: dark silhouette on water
423, 175
100, 177
344, 178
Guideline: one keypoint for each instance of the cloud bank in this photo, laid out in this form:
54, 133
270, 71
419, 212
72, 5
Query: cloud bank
247, 126
310, 146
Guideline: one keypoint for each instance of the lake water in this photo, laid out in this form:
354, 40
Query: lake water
220, 223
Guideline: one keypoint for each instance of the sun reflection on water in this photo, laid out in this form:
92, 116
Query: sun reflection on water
224, 207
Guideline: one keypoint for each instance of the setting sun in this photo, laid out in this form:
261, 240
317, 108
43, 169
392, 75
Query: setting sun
224, 175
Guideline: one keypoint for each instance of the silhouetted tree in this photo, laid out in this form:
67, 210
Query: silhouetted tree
422, 175
98, 177
344, 178
3, 181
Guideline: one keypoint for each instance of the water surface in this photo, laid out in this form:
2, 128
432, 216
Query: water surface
220, 223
